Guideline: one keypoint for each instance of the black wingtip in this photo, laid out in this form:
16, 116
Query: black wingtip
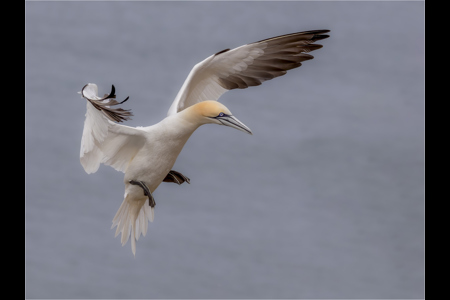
223, 51
318, 37
114, 114
317, 31
125, 100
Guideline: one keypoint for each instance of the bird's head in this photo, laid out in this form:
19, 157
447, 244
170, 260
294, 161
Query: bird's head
213, 112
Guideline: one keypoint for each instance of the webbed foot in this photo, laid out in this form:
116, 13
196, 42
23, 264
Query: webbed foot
177, 177
151, 200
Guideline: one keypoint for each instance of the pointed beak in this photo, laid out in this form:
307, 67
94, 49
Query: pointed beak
232, 121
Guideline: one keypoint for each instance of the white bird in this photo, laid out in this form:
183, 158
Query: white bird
147, 154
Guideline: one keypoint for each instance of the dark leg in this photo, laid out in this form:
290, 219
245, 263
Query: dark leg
177, 177
151, 200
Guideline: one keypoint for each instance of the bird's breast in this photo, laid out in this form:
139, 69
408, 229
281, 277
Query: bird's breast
156, 158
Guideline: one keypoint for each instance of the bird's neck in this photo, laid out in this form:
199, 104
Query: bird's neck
191, 116
183, 124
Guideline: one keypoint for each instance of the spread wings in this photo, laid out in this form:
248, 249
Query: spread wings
244, 66
105, 141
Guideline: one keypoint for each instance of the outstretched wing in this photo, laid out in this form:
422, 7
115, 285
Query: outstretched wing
104, 141
248, 65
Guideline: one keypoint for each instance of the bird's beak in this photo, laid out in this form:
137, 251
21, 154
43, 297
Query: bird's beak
232, 121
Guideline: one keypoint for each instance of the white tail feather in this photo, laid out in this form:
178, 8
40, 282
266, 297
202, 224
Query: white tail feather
132, 218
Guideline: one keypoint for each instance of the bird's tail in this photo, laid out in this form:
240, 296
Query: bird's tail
132, 217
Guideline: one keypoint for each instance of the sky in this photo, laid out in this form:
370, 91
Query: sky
325, 200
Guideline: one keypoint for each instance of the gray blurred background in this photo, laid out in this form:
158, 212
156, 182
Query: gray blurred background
325, 200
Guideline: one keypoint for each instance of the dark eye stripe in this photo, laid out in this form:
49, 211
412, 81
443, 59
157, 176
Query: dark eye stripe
221, 115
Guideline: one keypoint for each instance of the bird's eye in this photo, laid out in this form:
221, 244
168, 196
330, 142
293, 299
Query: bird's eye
221, 114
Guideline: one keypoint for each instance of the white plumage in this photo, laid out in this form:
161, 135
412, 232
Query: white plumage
147, 154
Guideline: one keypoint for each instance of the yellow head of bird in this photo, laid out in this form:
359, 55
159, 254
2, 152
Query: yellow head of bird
217, 113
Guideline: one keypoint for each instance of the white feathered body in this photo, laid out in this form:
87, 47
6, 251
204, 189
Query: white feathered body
163, 143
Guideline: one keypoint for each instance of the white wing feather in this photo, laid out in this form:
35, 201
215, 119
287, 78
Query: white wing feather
106, 142
202, 82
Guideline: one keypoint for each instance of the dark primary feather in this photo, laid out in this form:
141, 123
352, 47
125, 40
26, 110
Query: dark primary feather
114, 114
281, 53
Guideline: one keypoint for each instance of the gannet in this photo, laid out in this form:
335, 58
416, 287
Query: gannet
147, 154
